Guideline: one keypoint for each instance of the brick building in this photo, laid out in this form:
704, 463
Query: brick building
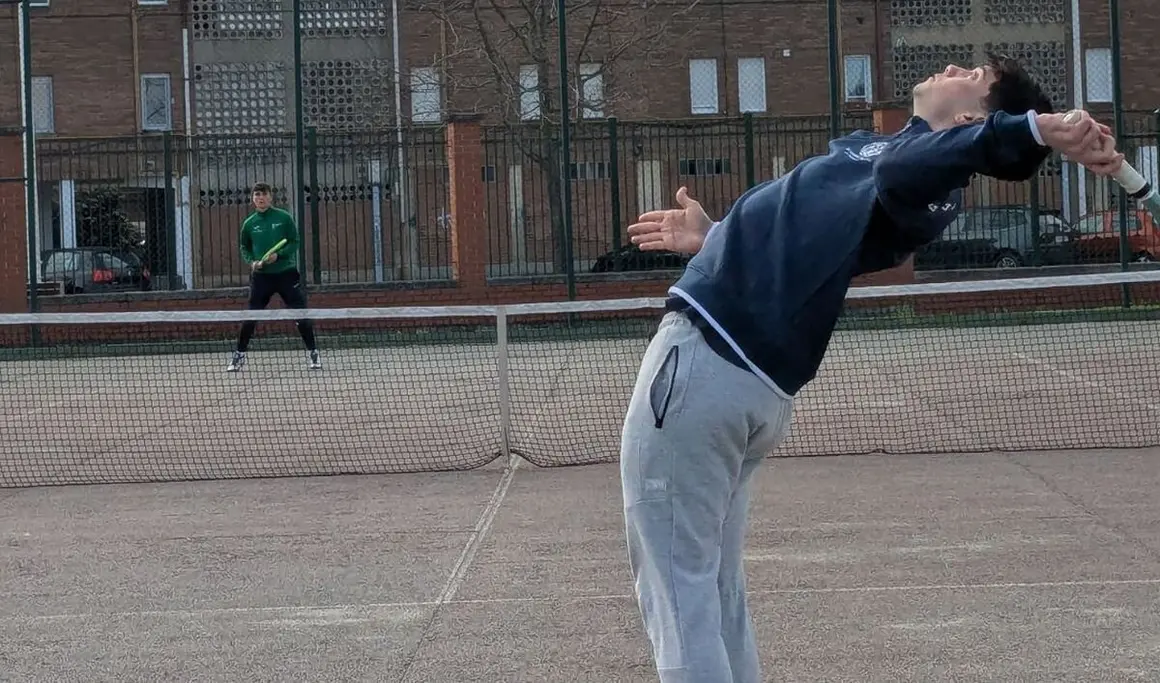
381, 207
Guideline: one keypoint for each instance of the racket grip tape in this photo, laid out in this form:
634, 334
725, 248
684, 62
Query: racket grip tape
1136, 185
1130, 179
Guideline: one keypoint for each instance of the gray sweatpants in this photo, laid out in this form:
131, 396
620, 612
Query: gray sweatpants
696, 429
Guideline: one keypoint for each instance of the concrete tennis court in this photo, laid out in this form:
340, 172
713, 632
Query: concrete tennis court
987, 567
1004, 566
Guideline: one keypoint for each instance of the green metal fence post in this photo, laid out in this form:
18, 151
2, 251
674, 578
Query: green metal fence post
30, 168
750, 172
614, 178
1036, 231
170, 210
1156, 128
833, 31
299, 142
312, 180
565, 148
1118, 115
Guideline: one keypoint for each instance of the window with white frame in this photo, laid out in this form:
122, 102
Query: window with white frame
1098, 71
43, 105
857, 78
38, 3
529, 92
589, 170
156, 102
703, 96
751, 84
705, 167
591, 91
425, 101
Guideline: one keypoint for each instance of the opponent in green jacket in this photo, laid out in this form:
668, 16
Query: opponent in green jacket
264, 228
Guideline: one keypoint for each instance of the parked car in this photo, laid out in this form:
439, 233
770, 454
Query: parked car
94, 269
1000, 237
1099, 237
630, 258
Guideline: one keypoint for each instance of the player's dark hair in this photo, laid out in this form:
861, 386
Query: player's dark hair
264, 188
1015, 91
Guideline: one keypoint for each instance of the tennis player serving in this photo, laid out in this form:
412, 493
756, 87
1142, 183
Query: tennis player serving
269, 244
751, 317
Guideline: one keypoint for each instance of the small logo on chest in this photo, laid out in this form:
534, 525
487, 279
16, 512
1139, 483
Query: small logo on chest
867, 151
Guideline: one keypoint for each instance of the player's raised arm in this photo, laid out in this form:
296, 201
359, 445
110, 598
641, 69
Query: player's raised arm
925, 167
917, 175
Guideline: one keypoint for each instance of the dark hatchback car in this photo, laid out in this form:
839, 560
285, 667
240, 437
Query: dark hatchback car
94, 269
630, 258
1000, 237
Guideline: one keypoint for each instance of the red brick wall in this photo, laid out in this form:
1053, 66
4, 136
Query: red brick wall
95, 51
13, 236
468, 203
1138, 33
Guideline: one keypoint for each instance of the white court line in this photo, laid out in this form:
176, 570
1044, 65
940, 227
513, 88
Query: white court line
865, 590
482, 526
1087, 383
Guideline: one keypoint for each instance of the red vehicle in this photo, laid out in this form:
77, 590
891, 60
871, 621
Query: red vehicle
1098, 240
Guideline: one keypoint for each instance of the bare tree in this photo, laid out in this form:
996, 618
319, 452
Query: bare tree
500, 58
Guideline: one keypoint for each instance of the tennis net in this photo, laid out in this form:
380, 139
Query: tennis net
1003, 365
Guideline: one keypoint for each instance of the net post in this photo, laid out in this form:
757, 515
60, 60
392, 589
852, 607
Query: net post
504, 388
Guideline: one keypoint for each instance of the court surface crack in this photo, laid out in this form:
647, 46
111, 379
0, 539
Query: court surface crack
1079, 505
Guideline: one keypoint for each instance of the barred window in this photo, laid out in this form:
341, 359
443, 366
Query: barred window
703, 86
751, 84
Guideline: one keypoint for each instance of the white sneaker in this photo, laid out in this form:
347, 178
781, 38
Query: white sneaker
236, 362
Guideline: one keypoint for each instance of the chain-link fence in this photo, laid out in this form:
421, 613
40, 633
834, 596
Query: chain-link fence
154, 181
341, 105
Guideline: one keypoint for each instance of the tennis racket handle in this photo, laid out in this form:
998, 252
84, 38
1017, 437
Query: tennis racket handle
1127, 177
1131, 180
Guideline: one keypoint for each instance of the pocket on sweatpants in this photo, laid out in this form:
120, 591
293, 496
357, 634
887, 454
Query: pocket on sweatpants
663, 386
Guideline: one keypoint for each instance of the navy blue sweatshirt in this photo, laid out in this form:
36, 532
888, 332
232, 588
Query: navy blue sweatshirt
772, 276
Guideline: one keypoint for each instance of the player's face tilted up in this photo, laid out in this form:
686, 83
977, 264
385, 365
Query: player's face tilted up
749, 321
269, 242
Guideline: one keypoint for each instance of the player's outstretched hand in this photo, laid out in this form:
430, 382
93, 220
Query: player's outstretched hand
1083, 139
272, 258
681, 230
